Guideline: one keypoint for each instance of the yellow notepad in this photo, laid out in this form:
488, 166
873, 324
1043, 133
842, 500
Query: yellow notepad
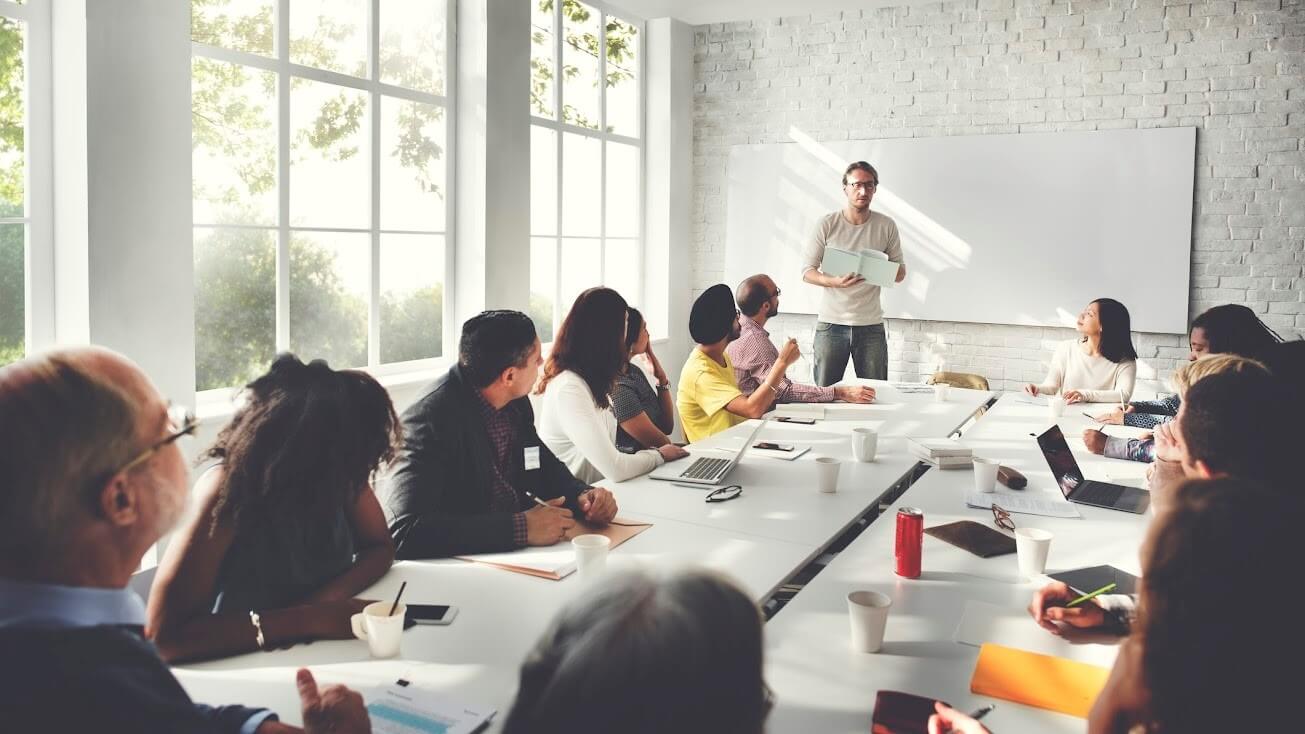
1032, 679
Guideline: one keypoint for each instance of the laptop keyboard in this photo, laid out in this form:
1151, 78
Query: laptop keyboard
1099, 494
705, 468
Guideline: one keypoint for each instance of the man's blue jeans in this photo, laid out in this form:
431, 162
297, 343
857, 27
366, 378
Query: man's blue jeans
866, 345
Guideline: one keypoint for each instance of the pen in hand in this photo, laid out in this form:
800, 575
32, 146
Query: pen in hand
1091, 595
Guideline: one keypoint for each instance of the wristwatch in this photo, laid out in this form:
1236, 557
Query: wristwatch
663, 386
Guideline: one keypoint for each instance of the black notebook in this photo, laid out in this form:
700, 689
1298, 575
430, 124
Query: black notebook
1088, 580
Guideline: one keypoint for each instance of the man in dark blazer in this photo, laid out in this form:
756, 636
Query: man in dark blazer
91, 478
472, 465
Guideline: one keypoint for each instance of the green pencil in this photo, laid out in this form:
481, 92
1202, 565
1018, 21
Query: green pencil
1085, 597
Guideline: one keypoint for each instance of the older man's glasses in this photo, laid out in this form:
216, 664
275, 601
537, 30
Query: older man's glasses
181, 422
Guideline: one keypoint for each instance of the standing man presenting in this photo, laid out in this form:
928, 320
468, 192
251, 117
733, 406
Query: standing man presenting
851, 319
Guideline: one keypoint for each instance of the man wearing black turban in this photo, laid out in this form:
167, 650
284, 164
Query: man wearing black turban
709, 399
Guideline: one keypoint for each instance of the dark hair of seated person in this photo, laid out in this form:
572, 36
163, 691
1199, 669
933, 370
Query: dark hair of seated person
493, 341
638, 655
1116, 331
1287, 363
1220, 559
633, 326
1234, 422
591, 343
305, 441
1235, 329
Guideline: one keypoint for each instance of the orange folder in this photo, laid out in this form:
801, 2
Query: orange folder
1032, 679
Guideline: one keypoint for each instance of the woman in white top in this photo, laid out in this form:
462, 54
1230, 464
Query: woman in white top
1098, 367
577, 423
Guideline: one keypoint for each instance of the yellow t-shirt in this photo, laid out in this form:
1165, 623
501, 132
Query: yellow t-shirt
705, 389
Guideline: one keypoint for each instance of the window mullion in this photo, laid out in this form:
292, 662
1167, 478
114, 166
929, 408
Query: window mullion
283, 176
602, 147
374, 300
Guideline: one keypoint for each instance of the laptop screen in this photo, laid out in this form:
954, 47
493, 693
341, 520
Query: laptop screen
1060, 460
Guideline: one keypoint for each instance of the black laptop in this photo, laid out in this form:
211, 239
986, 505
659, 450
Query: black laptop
1085, 491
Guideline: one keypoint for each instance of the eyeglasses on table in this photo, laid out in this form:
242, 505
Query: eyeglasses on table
724, 494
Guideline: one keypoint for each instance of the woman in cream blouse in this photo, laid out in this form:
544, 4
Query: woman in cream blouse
1100, 366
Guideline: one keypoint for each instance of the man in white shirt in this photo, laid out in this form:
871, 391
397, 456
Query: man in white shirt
851, 319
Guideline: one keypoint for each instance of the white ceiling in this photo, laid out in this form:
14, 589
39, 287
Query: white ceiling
700, 12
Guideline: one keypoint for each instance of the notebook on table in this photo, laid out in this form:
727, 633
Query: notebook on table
1041, 681
556, 562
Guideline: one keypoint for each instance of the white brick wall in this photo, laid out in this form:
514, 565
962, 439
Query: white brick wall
1235, 70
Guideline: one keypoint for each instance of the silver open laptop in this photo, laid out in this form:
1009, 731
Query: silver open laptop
704, 469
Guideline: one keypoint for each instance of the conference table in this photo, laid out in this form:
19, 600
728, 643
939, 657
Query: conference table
761, 539
822, 685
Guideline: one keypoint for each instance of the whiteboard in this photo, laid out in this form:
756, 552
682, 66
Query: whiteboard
997, 229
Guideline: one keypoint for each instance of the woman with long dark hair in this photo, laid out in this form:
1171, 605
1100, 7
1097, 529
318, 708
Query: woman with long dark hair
287, 527
1100, 366
644, 415
577, 423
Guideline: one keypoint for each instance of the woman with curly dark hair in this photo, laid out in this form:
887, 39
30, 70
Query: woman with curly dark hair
287, 527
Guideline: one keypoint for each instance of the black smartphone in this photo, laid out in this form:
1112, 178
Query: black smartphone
798, 421
431, 613
772, 446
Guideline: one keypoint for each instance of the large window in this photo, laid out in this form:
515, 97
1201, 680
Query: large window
15, 217
586, 95
321, 199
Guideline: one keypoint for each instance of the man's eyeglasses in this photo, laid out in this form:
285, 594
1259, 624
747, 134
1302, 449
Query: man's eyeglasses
724, 494
1002, 519
864, 185
181, 422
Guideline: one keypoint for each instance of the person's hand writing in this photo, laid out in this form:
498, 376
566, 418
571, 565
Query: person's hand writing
547, 524
846, 281
1115, 417
947, 719
598, 504
334, 709
1031, 389
1073, 396
855, 394
1094, 440
1048, 607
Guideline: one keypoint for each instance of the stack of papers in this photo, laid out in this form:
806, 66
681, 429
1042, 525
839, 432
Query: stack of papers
400, 709
1023, 504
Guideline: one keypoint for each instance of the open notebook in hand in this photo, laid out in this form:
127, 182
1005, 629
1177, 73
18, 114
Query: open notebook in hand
872, 265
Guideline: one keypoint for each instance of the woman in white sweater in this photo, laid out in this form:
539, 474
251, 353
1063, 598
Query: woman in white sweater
1098, 367
577, 422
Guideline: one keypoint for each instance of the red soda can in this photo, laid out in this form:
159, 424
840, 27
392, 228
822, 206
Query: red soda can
910, 542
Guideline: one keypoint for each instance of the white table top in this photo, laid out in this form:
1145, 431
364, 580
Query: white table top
822, 685
780, 499
500, 616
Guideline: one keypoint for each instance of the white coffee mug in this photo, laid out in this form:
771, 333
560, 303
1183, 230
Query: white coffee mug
865, 443
827, 471
591, 554
985, 474
867, 613
379, 628
1032, 546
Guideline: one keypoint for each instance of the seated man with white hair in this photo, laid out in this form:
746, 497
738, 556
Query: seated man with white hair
91, 478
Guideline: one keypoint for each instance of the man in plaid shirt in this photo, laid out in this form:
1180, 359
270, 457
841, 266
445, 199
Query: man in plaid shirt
753, 353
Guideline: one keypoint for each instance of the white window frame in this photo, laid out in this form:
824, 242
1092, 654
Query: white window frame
280, 64
38, 166
604, 137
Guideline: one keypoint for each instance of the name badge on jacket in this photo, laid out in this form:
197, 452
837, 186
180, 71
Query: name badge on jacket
532, 458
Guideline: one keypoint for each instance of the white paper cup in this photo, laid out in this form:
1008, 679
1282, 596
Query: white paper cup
1055, 407
940, 391
827, 473
1032, 546
382, 631
865, 443
985, 474
591, 555
867, 613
